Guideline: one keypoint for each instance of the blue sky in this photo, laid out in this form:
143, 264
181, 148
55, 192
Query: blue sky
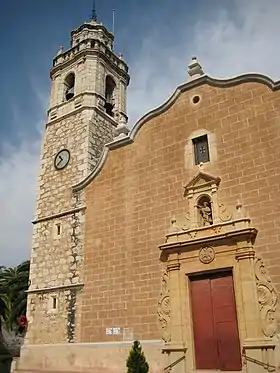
32, 31
157, 38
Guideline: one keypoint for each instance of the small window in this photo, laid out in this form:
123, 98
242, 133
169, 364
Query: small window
195, 99
54, 305
201, 149
58, 229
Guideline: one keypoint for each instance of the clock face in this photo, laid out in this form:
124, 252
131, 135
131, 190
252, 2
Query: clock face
61, 159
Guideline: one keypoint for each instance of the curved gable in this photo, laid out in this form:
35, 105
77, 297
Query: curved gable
198, 82
205, 79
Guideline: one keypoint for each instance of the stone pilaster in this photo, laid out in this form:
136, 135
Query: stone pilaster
175, 348
247, 284
173, 268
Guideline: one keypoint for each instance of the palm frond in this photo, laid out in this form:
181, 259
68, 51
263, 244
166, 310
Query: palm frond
13, 298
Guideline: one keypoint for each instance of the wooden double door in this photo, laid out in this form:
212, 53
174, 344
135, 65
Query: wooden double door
216, 338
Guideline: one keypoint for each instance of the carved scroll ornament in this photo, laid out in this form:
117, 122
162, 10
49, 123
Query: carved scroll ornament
187, 222
163, 309
180, 224
225, 214
267, 297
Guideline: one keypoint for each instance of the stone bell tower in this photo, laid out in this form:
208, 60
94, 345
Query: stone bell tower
88, 100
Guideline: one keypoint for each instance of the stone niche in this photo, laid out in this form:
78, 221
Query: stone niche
208, 239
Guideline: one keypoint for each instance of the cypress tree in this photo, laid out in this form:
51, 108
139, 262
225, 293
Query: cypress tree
136, 361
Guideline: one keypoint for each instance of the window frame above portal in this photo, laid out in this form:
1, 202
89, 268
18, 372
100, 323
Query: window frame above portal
198, 142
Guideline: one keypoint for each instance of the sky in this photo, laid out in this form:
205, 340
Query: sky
157, 39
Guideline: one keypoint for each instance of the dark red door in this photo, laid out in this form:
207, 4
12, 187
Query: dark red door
216, 337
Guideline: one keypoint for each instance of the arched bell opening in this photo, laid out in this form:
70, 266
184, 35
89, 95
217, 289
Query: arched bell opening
69, 86
110, 87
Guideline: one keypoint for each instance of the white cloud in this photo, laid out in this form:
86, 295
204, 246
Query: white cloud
18, 172
245, 43
226, 43
17, 200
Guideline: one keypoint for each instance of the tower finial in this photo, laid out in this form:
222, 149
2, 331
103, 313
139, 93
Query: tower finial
194, 69
93, 12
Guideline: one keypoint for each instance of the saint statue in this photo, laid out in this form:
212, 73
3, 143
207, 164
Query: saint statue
206, 213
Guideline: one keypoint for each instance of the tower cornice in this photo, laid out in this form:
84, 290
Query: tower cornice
72, 55
93, 26
78, 110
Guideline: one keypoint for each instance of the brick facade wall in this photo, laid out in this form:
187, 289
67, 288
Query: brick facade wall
131, 202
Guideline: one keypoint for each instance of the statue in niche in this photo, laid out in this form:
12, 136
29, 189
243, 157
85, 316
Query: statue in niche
205, 211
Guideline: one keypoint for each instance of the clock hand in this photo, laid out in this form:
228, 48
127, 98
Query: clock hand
60, 159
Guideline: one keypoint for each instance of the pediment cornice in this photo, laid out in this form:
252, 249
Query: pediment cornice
200, 181
204, 79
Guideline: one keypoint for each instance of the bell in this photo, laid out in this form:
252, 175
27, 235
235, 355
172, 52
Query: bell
69, 93
109, 108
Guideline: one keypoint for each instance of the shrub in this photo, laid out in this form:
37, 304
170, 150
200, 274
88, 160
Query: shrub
136, 361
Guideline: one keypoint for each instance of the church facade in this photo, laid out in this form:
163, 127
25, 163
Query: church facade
167, 233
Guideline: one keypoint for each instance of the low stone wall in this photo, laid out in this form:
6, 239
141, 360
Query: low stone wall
86, 357
14, 364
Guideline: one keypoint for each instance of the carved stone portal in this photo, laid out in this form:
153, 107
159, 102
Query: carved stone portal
267, 297
163, 309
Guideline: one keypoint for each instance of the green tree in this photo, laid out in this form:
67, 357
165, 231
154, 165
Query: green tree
136, 361
13, 298
2, 309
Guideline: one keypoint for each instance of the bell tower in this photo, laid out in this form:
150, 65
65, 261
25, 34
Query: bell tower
87, 101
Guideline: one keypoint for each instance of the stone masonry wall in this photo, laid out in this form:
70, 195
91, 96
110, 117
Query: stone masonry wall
54, 329
84, 134
85, 358
54, 326
54, 187
131, 202
57, 260
100, 133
